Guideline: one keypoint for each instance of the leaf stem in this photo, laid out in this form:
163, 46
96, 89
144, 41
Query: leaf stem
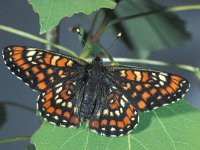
15, 139
92, 25
17, 105
52, 36
35, 38
167, 9
99, 33
192, 69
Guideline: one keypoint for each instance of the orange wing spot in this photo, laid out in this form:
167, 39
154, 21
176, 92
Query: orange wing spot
62, 62
169, 90
58, 111
127, 86
139, 87
112, 123
129, 113
70, 63
131, 107
74, 120
64, 94
163, 92
49, 71
120, 124
134, 94
153, 91
147, 85
18, 48
130, 75
104, 122
35, 69
60, 72
27, 73
17, 57
25, 66
126, 121
47, 104
123, 74
42, 85
51, 79
177, 82
114, 105
40, 76
145, 96
177, 78
43, 66
54, 60
20, 62
145, 77
141, 104
94, 124
67, 114
48, 96
50, 110
174, 86
47, 58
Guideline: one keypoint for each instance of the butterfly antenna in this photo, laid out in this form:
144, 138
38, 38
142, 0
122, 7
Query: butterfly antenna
79, 33
118, 36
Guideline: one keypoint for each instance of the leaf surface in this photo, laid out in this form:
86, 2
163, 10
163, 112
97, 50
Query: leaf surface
174, 127
52, 11
150, 33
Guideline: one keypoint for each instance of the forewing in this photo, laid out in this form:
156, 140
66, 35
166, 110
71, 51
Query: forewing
116, 116
58, 104
148, 89
40, 69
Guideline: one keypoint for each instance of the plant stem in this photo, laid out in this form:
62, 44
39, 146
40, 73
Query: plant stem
167, 9
53, 37
153, 62
35, 38
99, 33
17, 105
101, 28
92, 25
15, 139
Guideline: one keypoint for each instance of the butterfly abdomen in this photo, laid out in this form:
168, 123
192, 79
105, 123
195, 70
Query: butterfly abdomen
90, 100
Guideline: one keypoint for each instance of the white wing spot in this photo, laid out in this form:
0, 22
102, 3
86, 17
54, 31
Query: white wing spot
113, 129
58, 101
31, 53
58, 85
163, 78
58, 90
105, 112
69, 104
122, 103
56, 117
117, 112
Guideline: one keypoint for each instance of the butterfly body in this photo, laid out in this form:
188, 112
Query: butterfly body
93, 81
108, 97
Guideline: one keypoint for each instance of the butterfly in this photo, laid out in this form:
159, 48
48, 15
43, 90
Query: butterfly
108, 98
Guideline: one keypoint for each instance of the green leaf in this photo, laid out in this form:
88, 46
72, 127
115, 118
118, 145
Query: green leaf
52, 11
2, 114
30, 147
171, 127
150, 33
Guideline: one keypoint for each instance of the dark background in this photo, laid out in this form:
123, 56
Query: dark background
19, 14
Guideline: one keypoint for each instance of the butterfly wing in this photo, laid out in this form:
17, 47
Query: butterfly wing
41, 69
116, 116
147, 89
58, 105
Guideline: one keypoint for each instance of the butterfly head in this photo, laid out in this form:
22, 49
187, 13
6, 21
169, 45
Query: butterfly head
97, 59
